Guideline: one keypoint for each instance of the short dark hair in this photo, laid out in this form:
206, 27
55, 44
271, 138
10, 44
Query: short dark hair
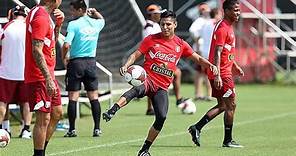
19, 11
78, 4
227, 4
214, 12
167, 14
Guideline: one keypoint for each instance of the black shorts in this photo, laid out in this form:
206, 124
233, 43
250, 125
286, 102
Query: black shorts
82, 70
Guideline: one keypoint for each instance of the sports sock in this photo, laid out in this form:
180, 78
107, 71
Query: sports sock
96, 112
227, 133
38, 152
202, 122
114, 109
146, 145
26, 127
72, 108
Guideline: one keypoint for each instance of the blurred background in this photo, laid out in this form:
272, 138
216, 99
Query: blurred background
265, 34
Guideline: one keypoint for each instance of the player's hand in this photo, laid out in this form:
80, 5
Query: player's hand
91, 11
238, 71
214, 69
51, 87
218, 82
122, 70
59, 15
66, 61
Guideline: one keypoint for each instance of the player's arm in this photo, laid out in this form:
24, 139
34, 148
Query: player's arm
93, 13
131, 59
37, 46
217, 61
65, 49
203, 62
59, 15
237, 70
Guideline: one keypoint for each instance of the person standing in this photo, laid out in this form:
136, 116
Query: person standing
162, 52
40, 59
81, 41
152, 27
222, 55
13, 89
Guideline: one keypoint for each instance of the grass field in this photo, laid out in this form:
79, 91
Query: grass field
264, 124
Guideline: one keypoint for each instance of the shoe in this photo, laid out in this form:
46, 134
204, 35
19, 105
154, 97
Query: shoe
232, 144
71, 134
97, 133
179, 101
25, 134
150, 112
195, 135
107, 116
144, 153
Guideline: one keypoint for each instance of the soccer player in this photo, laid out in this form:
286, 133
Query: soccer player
40, 59
152, 27
162, 52
12, 86
81, 40
222, 55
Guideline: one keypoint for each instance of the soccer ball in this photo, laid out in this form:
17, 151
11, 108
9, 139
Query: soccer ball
187, 107
4, 138
135, 75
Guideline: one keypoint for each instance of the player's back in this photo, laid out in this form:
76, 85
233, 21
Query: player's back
86, 33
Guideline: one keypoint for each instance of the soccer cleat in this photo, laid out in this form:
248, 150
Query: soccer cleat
144, 153
232, 144
195, 135
71, 134
25, 134
107, 116
97, 133
179, 101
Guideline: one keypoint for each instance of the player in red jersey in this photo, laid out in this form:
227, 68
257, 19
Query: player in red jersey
40, 59
222, 55
162, 52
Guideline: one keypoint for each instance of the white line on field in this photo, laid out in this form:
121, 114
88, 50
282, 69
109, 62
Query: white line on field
170, 135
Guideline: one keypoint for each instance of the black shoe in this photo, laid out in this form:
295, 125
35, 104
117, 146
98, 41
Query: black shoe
179, 101
150, 112
107, 116
195, 135
144, 153
232, 144
71, 134
97, 133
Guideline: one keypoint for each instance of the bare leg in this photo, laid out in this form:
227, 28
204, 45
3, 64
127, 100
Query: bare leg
3, 107
198, 85
40, 129
26, 114
55, 116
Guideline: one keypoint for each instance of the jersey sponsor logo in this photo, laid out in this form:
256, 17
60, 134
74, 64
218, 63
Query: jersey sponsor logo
162, 56
162, 70
53, 53
231, 57
178, 49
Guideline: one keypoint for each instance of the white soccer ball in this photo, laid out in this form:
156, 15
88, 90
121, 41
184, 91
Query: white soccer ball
4, 138
135, 75
187, 107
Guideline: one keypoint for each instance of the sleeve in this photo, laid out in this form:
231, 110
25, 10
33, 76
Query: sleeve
70, 33
187, 50
39, 27
220, 36
144, 46
100, 23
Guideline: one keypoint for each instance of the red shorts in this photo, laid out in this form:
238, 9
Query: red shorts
12, 91
39, 100
227, 89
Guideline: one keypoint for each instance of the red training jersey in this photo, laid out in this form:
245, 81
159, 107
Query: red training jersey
39, 26
162, 56
223, 35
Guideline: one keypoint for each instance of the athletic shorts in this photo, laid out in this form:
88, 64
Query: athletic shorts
83, 70
12, 91
227, 89
39, 100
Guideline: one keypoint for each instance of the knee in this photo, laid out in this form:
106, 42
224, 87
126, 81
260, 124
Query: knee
159, 121
57, 114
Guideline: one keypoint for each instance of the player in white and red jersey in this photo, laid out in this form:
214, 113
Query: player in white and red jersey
222, 55
162, 52
44, 99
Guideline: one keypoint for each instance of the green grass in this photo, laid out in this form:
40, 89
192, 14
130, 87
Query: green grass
264, 124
